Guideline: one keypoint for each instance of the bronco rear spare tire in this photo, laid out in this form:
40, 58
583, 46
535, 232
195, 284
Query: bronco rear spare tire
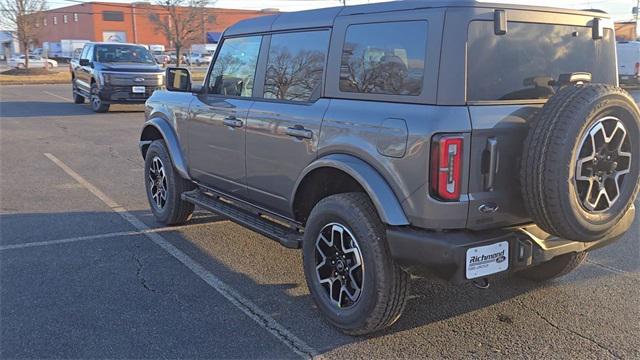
579, 171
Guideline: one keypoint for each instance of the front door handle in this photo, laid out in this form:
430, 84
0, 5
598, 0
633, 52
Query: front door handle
232, 122
299, 132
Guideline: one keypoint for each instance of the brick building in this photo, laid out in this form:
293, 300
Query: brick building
626, 30
103, 21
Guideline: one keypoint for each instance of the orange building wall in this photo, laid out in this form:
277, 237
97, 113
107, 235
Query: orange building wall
91, 26
625, 31
80, 30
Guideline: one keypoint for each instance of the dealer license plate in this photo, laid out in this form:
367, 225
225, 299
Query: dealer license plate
138, 89
487, 260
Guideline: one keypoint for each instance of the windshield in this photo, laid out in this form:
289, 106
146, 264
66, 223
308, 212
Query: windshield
123, 54
525, 62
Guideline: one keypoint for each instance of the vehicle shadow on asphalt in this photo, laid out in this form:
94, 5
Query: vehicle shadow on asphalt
431, 300
19, 109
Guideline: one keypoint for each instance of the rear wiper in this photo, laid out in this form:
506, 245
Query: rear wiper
572, 78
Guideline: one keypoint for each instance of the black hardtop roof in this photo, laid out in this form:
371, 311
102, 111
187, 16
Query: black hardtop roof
325, 17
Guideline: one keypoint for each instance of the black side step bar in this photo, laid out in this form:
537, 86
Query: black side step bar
288, 237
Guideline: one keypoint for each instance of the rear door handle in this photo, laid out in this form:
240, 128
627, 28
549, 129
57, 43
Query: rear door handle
299, 132
232, 122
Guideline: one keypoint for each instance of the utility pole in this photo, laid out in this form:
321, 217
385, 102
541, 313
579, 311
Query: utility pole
636, 14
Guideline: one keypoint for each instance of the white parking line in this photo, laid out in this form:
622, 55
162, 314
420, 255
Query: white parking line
243, 304
97, 237
57, 96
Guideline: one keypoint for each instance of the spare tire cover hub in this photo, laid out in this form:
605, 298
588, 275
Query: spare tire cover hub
603, 162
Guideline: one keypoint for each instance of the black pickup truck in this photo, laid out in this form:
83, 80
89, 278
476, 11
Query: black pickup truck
108, 73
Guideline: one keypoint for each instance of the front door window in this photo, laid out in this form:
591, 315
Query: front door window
234, 70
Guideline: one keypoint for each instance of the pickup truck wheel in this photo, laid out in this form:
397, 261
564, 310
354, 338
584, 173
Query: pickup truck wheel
556, 267
581, 161
164, 187
97, 105
350, 273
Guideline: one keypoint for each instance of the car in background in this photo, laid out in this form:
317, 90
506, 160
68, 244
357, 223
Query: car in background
628, 62
161, 57
35, 61
172, 57
109, 73
198, 59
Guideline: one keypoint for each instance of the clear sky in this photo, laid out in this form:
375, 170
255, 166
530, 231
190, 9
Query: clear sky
619, 9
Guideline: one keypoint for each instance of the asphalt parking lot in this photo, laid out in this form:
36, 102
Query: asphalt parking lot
85, 271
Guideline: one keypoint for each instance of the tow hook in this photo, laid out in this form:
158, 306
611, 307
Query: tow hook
481, 283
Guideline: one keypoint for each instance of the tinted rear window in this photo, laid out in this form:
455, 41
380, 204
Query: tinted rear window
517, 65
384, 58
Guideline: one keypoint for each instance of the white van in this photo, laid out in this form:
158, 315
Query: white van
628, 62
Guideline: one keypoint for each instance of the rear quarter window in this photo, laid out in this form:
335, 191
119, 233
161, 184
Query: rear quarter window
519, 64
384, 58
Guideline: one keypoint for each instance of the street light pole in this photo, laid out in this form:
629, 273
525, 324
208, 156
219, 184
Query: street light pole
637, 11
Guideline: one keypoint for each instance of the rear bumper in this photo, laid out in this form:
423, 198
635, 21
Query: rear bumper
445, 253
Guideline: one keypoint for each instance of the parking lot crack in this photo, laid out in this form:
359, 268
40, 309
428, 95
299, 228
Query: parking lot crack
564, 329
139, 275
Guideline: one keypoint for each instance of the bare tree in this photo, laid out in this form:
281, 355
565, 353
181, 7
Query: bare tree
180, 21
293, 76
25, 17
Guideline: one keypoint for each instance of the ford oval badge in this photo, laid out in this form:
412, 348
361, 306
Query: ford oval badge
488, 208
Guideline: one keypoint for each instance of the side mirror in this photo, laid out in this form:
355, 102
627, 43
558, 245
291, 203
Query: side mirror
178, 79
84, 62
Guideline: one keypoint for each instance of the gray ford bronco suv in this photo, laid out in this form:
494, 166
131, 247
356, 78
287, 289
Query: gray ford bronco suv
455, 138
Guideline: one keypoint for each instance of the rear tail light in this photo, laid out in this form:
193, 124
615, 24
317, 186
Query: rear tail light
446, 167
637, 68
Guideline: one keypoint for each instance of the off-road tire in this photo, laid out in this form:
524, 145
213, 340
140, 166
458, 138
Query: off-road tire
385, 285
554, 268
176, 211
97, 105
550, 155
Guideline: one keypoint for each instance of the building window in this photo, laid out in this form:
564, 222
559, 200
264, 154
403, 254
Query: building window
65, 19
112, 16
75, 17
44, 22
55, 20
